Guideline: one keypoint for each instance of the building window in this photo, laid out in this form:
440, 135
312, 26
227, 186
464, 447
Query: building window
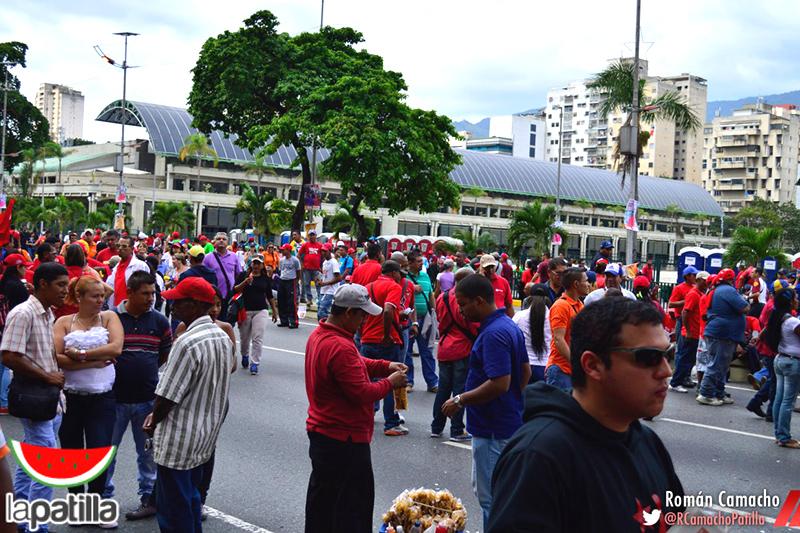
533, 139
532, 152
533, 128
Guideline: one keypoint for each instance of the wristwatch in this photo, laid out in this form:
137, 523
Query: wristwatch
457, 400
415, 324
82, 356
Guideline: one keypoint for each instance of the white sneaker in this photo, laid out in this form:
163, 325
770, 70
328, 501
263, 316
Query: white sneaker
109, 525
678, 388
709, 401
727, 401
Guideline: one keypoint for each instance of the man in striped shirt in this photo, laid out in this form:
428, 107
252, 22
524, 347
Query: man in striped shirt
148, 340
194, 387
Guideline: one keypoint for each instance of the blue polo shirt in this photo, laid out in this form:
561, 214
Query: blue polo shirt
725, 320
498, 351
147, 338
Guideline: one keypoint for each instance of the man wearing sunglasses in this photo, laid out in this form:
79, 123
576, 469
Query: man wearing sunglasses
609, 468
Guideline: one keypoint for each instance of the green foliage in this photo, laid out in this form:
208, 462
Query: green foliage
79, 142
318, 89
485, 241
750, 246
266, 214
167, 217
533, 225
27, 127
258, 168
30, 212
342, 221
197, 146
762, 214
65, 212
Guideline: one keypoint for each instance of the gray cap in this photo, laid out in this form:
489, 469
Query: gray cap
352, 295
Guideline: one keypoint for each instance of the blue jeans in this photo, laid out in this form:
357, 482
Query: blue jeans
5, 381
309, 275
767, 391
425, 355
787, 370
38, 434
556, 377
405, 354
678, 337
178, 504
372, 350
135, 413
485, 453
88, 422
452, 381
537, 374
325, 302
720, 353
684, 361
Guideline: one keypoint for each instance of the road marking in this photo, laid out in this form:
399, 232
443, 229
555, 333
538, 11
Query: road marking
717, 429
235, 522
459, 445
751, 389
282, 350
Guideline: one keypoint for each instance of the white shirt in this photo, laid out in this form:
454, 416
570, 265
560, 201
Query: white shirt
599, 293
523, 321
330, 267
790, 342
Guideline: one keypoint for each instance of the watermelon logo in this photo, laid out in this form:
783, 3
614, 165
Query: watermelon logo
62, 468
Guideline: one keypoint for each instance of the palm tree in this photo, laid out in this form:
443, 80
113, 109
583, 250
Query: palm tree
56, 150
28, 176
584, 205
32, 214
485, 241
197, 146
171, 216
259, 169
750, 246
533, 223
616, 83
673, 211
342, 221
474, 192
65, 211
266, 214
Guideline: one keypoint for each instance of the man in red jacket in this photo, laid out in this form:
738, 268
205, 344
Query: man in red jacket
341, 396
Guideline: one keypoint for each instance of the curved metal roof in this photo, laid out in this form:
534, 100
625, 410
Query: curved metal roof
168, 127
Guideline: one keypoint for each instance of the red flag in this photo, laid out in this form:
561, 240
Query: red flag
5, 223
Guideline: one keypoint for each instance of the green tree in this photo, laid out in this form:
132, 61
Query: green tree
585, 205
475, 193
485, 241
616, 83
65, 212
533, 224
197, 146
674, 212
27, 127
266, 214
750, 246
317, 90
258, 168
56, 150
171, 216
27, 211
342, 221
28, 175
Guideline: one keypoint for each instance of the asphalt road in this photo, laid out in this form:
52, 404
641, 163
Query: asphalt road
262, 465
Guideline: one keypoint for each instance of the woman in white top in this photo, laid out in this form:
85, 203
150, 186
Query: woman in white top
86, 345
534, 322
782, 335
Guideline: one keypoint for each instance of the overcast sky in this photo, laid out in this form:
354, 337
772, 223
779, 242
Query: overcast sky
466, 59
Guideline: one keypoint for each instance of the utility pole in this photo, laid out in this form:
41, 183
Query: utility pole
321, 14
125, 34
7, 65
630, 244
560, 156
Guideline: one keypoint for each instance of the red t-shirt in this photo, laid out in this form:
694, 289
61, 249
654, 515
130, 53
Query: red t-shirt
105, 254
341, 398
382, 291
406, 300
705, 301
311, 252
366, 273
527, 276
647, 271
693, 324
502, 292
679, 293
455, 345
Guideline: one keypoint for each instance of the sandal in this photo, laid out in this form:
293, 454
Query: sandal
790, 444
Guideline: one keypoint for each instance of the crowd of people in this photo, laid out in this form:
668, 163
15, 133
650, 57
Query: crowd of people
140, 329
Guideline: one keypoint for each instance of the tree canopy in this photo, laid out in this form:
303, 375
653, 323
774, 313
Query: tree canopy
27, 127
534, 224
762, 214
318, 90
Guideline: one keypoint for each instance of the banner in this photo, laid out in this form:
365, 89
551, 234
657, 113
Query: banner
2, 201
557, 239
630, 215
119, 221
122, 194
313, 198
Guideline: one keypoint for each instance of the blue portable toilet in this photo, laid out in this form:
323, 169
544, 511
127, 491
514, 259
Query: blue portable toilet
690, 256
714, 260
770, 266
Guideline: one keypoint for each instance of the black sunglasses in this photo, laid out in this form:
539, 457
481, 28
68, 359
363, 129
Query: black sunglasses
648, 356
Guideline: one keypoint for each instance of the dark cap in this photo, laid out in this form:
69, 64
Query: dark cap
390, 266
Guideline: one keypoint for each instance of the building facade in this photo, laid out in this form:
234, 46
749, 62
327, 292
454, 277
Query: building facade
63, 109
752, 154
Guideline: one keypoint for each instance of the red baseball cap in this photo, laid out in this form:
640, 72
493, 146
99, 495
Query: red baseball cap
641, 282
327, 246
287, 246
15, 260
175, 235
726, 274
351, 251
194, 288
503, 256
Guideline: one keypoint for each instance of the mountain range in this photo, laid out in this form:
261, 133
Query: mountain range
480, 129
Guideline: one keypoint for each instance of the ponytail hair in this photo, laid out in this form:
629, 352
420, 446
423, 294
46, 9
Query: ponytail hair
783, 306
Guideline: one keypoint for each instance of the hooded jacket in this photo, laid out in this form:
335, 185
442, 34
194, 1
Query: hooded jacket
565, 472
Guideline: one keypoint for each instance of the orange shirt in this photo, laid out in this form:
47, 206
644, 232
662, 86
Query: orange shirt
561, 314
271, 259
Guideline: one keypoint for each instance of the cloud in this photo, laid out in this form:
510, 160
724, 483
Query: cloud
465, 59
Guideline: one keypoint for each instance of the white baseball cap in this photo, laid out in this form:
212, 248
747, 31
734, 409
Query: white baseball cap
356, 296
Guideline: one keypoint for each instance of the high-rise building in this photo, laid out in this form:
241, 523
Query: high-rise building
63, 109
526, 131
752, 154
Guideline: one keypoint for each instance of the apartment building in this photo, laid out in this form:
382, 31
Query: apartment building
63, 109
752, 154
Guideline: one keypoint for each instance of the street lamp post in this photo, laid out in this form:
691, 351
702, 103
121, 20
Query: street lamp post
124, 34
558, 180
6, 64
630, 244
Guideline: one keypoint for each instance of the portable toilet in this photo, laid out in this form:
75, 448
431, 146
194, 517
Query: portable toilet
693, 256
714, 260
770, 266
426, 244
409, 242
394, 242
